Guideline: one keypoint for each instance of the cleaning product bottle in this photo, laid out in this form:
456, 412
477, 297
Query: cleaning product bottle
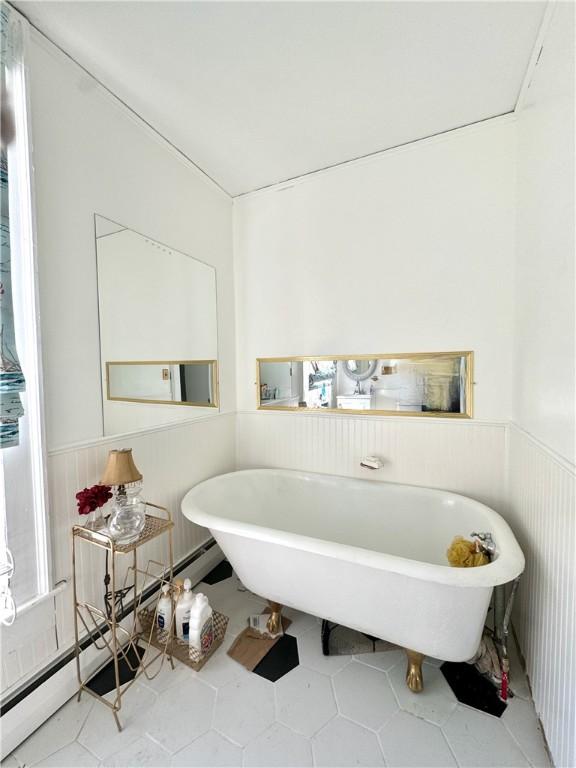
164, 611
201, 625
183, 607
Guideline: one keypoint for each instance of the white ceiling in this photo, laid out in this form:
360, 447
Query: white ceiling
259, 92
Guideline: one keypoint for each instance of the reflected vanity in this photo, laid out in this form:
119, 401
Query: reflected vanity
158, 331
408, 384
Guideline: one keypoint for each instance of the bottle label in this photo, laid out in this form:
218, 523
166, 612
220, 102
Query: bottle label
185, 630
207, 635
160, 621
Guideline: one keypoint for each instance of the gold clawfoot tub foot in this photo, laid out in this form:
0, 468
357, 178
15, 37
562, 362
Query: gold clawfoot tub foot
274, 623
414, 670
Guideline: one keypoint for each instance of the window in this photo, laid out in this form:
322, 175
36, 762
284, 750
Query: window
23, 528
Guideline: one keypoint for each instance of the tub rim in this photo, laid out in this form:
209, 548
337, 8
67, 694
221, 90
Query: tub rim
508, 566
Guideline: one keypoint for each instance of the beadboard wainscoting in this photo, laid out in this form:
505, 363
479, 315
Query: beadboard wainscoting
542, 513
171, 459
466, 457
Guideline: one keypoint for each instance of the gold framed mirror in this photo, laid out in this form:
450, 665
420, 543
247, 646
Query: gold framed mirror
437, 384
168, 382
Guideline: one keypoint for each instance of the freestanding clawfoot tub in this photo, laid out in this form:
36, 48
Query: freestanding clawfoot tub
369, 555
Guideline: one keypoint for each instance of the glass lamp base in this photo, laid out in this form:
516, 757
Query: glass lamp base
128, 517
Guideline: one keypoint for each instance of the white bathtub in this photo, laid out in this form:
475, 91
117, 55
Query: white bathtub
366, 554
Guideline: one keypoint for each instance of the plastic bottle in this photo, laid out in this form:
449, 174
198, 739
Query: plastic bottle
201, 625
183, 607
164, 612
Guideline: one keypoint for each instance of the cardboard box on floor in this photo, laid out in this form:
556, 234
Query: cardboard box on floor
250, 646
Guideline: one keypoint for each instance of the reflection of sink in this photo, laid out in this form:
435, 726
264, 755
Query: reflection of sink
354, 402
355, 395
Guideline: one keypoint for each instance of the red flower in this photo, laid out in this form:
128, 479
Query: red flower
91, 498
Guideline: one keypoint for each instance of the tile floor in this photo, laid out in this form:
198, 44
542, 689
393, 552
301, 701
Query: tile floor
327, 711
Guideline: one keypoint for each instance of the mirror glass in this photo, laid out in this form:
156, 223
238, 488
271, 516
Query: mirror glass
359, 370
187, 382
420, 384
158, 330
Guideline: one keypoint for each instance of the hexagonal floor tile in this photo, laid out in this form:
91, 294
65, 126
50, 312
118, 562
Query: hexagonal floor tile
364, 694
100, 734
230, 600
58, 731
300, 622
180, 714
304, 700
166, 677
219, 573
278, 747
244, 708
521, 721
481, 741
435, 703
280, 659
72, 756
143, 753
220, 669
343, 743
409, 742
382, 660
210, 749
310, 652
472, 688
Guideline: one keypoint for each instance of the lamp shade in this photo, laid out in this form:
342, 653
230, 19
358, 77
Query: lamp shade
120, 468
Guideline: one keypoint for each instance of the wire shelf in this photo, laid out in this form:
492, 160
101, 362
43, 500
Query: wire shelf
103, 628
154, 526
178, 648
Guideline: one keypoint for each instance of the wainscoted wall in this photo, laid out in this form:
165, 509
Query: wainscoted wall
542, 512
463, 456
171, 460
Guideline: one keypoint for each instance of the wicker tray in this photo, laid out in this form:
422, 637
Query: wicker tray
178, 648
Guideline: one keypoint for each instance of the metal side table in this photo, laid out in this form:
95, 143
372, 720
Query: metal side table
115, 633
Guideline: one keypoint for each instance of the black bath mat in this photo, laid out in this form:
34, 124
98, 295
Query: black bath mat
280, 659
342, 641
472, 688
104, 682
222, 571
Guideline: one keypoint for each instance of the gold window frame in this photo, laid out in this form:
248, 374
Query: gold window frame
212, 363
469, 385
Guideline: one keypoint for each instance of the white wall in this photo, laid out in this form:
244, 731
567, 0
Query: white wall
545, 349
542, 499
541, 453
409, 251
92, 156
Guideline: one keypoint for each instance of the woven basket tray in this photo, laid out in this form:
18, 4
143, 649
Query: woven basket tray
180, 649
